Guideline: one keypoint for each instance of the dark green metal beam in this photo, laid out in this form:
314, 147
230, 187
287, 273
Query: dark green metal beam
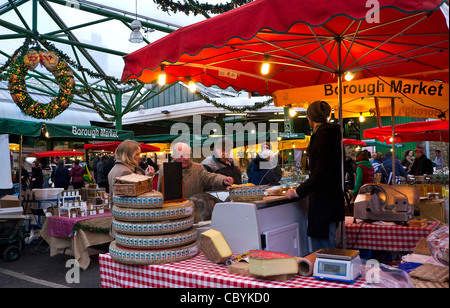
105, 13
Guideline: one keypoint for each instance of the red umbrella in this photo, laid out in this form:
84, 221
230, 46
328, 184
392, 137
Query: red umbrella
349, 142
306, 43
410, 132
112, 146
55, 153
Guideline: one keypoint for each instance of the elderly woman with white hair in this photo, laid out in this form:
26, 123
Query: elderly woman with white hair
196, 179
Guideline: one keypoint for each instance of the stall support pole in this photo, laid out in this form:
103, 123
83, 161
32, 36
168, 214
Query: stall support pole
118, 109
341, 125
393, 139
20, 173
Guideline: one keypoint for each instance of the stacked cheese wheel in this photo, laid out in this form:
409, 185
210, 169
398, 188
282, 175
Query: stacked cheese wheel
149, 231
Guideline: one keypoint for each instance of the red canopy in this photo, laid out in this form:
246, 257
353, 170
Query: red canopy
410, 132
112, 146
347, 141
307, 43
55, 153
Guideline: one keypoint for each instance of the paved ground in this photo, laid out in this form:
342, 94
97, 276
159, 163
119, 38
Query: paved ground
38, 270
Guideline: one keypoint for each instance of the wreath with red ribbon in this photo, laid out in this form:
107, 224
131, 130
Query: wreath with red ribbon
29, 59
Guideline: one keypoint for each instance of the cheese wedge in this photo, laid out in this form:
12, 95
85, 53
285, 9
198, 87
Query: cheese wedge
270, 263
214, 246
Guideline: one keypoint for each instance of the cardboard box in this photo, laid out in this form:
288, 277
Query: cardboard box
9, 201
432, 210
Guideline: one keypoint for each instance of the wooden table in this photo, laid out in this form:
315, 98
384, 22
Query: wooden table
59, 233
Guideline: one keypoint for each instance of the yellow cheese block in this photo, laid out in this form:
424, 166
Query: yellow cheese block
270, 263
214, 246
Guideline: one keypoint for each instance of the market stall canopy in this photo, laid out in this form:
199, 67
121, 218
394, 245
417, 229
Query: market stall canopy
305, 42
376, 143
86, 132
112, 146
411, 132
19, 127
55, 153
413, 98
350, 142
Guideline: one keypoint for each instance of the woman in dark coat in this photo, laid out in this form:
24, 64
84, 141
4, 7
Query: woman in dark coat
37, 177
326, 207
61, 176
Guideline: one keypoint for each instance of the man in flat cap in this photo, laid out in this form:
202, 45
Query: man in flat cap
324, 186
422, 164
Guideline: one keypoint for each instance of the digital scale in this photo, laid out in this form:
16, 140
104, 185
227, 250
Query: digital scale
337, 264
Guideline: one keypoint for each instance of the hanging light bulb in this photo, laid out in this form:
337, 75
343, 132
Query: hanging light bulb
136, 35
292, 112
361, 118
349, 76
265, 67
162, 77
192, 86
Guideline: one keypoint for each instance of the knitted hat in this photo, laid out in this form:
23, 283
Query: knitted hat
318, 111
419, 149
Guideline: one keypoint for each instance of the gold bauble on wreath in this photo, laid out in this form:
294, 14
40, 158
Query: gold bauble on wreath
29, 60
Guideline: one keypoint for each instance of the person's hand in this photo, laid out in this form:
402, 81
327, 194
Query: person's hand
291, 193
150, 171
228, 181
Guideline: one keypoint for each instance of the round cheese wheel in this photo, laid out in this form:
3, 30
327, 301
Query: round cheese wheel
156, 256
157, 214
152, 199
157, 241
149, 228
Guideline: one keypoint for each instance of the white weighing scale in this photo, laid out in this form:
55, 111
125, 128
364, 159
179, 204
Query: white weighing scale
337, 264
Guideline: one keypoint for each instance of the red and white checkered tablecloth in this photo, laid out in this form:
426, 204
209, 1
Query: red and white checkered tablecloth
384, 237
197, 272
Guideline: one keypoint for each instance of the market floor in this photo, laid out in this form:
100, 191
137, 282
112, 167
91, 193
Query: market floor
38, 270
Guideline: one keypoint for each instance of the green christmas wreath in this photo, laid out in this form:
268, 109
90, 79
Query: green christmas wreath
29, 59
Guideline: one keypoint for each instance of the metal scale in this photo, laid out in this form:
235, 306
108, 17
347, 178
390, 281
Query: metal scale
337, 264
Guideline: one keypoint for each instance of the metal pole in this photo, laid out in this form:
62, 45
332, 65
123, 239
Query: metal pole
20, 173
341, 124
393, 139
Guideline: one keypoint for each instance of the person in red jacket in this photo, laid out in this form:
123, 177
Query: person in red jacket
76, 173
364, 171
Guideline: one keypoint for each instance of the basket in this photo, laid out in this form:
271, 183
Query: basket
132, 185
247, 193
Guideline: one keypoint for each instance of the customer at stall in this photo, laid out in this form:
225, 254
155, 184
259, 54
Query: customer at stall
196, 179
438, 163
102, 173
364, 171
386, 170
61, 176
23, 177
422, 164
221, 161
377, 160
262, 169
324, 186
127, 162
37, 177
408, 160
76, 173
